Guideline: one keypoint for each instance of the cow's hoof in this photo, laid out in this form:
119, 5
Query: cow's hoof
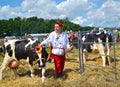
43, 79
104, 66
32, 75
0, 76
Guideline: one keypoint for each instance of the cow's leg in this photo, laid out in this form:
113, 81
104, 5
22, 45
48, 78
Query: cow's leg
108, 56
43, 73
103, 59
85, 55
102, 53
4, 65
108, 52
31, 70
30, 63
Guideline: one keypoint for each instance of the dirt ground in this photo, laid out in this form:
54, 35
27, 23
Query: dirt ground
94, 74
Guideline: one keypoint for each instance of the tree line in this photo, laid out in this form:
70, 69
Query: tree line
18, 26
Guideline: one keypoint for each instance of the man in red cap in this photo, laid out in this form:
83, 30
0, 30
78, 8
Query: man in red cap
60, 44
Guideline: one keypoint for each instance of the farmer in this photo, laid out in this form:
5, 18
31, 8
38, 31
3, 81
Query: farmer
60, 44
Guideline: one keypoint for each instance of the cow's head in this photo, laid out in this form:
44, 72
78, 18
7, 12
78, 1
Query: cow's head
42, 55
36, 51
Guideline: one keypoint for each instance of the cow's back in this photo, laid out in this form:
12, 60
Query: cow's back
90, 39
20, 49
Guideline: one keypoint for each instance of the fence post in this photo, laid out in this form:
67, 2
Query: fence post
80, 52
115, 78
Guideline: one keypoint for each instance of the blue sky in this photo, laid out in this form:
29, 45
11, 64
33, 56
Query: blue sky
103, 13
12, 3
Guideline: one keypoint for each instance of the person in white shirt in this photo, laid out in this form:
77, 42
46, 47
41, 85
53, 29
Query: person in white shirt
60, 45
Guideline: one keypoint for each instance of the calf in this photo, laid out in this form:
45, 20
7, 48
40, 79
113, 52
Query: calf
97, 41
28, 50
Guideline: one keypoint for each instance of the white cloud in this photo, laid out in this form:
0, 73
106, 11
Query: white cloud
71, 8
107, 14
79, 20
40, 8
8, 12
50, 9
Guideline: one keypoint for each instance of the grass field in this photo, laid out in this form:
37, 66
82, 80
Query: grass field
93, 76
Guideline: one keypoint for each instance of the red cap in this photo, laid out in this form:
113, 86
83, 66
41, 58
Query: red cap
60, 24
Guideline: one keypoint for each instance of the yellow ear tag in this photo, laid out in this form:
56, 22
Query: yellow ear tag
38, 49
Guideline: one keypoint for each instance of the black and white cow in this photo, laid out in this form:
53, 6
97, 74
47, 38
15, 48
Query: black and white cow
27, 50
97, 41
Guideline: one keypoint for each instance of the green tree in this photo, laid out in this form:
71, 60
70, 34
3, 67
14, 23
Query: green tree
18, 26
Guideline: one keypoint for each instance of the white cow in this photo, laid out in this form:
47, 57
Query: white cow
28, 50
97, 41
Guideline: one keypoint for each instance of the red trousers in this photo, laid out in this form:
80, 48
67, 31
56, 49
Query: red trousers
50, 55
59, 63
